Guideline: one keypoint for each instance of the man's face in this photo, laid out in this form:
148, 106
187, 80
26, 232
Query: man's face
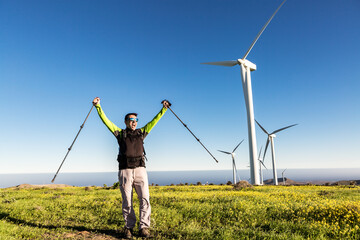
131, 122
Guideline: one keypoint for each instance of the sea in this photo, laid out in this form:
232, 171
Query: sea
163, 178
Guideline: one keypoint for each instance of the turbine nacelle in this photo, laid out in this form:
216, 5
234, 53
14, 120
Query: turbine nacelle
246, 63
272, 136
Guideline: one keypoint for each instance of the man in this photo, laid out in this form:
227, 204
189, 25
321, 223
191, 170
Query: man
132, 172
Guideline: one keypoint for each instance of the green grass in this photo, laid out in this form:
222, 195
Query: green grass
185, 212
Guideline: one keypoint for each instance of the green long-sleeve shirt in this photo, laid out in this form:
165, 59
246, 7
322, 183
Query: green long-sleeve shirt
117, 131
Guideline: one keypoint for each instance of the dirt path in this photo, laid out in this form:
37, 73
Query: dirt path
53, 186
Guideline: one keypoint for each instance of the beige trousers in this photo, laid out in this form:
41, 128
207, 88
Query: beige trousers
137, 178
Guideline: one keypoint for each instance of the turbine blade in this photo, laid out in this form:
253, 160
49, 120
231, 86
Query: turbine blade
276, 131
262, 163
262, 127
262, 30
234, 165
267, 144
259, 153
223, 63
224, 152
237, 146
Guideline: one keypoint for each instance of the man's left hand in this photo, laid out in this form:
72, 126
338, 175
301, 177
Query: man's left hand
166, 103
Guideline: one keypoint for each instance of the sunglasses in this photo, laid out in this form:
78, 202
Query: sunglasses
133, 119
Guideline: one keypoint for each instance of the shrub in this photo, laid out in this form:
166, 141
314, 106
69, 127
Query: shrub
115, 185
242, 185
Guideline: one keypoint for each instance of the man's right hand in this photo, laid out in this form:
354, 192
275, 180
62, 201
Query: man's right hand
96, 101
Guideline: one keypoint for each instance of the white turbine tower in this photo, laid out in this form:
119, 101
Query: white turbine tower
233, 161
246, 68
271, 139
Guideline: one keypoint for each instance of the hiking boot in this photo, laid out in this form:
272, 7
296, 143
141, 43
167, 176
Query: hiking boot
128, 233
145, 232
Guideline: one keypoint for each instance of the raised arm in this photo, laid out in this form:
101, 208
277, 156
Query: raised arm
111, 126
147, 128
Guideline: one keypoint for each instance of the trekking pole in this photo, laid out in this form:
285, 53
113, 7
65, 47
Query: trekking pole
69, 149
193, 134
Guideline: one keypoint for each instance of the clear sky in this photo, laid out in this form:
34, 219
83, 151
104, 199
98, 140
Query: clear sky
56, 56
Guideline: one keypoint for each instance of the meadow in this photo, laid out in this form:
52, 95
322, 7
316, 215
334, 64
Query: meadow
185, 212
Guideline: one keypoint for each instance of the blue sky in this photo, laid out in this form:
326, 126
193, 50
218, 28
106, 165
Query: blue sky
56, 56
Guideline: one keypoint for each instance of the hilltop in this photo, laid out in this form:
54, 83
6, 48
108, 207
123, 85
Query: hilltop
288, 181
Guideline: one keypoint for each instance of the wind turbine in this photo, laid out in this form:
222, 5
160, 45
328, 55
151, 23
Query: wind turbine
246, 68
261, 163
282, 174
233, 161
270, 138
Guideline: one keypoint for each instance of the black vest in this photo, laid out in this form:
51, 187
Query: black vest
131, 149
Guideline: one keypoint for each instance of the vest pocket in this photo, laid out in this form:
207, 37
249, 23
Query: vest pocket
133, 162
129, 162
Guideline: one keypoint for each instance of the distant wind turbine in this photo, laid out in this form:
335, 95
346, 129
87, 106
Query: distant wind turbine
261, 163
282, 174
271, 139
233, 160
246, 68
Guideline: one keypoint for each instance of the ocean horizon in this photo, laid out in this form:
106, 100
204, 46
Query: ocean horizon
163, 178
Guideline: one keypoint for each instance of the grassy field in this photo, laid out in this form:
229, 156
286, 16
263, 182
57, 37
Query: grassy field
185, 212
